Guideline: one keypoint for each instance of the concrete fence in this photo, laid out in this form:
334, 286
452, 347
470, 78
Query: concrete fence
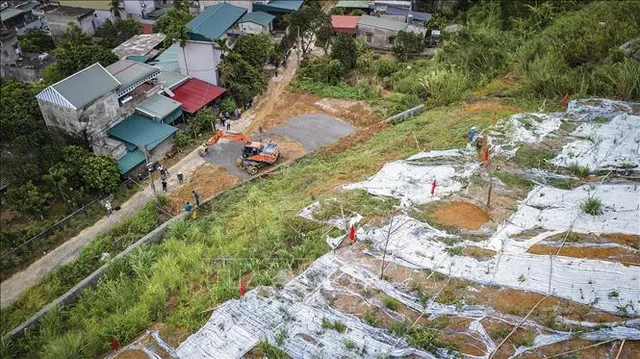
405, 114
157, 234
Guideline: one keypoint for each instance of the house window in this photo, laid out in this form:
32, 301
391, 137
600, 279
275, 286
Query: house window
391, 40
369, 36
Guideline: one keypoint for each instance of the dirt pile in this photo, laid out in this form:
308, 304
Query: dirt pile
207, 180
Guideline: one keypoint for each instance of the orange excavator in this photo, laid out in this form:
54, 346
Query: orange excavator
254, 154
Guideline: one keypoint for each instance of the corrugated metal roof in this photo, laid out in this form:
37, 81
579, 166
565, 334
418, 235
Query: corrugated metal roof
168, 59
353, 4
416, 15
86, 86
130, 160
138, 45
281, 6
27, 6
171, 79
9, 13
158, 107
382, 23
130, 73
214, 21
141, 131
258, 17
195, 94
344, 21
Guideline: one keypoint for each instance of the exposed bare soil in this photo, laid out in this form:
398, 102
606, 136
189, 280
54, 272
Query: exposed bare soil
611, 254
207, 180
461, 214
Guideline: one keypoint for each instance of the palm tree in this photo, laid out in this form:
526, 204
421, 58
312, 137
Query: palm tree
114, 7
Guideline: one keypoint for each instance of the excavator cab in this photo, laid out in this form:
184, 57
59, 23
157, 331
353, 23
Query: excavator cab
254, 154
251, 149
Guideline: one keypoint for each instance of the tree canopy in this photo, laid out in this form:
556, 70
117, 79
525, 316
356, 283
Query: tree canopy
75, 52
310, 23
36, 41
173, 24
112, 34
408, 45
343, 49
256, 49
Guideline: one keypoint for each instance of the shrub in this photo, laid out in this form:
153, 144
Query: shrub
228, 104
391, 303
335, 325
592, 206
342, 49
100, 173
579, 171
181, 140
387, 67
445, 86
28, 199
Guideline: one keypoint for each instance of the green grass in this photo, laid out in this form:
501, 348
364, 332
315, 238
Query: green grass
532, 157
592, 206
391, 303
579, 171
514, 181
335, 325
563, 183
256, 220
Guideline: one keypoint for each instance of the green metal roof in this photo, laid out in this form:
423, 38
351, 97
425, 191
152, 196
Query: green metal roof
382, 23
214, 21
86, 86
258, 17
130, 72
168, 59
9, 13
130, 160
28, 6
141, 131
353, 4
279, 6
159, 107
139, 58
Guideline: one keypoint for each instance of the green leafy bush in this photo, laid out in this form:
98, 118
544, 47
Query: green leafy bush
445, 86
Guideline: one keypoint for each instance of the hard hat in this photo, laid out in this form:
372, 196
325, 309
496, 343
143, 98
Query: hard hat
473, 128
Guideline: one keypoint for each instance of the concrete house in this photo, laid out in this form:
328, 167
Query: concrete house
200, 57
85, 105
345, 24
9, 47
246, 4
381, 33
138, 9
59, 17
101, 9
257, 22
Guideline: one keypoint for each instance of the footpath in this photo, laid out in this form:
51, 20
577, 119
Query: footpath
11, 288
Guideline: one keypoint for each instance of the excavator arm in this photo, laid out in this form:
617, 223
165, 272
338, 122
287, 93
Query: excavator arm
219, 134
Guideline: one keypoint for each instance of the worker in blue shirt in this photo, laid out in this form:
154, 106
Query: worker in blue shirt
472, 134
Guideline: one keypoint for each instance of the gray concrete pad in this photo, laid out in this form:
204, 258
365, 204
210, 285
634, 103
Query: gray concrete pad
314, 131
311, 131
224, 154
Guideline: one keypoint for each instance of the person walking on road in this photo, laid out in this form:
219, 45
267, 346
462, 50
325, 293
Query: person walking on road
180, 178
164, 184
107, 205
196, 195
236, 113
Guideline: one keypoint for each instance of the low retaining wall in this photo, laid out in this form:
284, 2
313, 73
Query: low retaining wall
405, 114
157, 234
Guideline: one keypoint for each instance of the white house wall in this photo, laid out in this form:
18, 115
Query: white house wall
200, 60
133, 8
101, 16
88, 25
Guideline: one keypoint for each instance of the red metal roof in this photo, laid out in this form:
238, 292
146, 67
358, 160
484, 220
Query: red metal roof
345, 23
195, 94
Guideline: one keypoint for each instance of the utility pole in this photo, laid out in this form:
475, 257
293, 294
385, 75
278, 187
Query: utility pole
146, 157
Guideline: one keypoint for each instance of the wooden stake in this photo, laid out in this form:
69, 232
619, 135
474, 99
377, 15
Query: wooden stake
489, 195
518, 326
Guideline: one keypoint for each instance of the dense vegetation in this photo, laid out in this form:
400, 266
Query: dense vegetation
507, 49
546, 50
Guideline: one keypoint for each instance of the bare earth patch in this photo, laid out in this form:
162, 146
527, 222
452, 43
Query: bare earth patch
462, 215
611, 254
207, 180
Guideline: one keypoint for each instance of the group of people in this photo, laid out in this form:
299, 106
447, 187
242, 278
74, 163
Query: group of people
225, 118
188, 207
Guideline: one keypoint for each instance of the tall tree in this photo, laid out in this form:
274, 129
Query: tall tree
343, 49
75, 52
256, 49
309, 23
36, 41
114, 7
242, 79
173, 24
112, 34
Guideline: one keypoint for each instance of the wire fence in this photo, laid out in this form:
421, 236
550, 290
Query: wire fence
78, 220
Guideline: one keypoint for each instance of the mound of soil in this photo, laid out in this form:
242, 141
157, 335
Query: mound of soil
462, 215
207, 180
